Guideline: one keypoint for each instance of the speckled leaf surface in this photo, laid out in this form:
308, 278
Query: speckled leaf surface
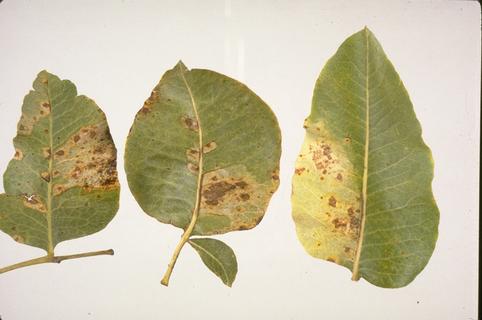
362, 193
203, 152
62, 182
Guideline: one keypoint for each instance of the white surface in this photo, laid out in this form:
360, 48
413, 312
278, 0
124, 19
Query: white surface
116, 51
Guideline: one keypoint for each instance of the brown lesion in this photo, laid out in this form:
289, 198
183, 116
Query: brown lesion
213, 193
192, 155
210, 146
18, 154
88, 160
332, 202
34, 202
47, 153
300, 170
190, 123
29, 119
148, 104
236, 196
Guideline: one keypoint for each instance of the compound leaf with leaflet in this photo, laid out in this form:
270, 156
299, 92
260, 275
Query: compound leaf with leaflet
203, 155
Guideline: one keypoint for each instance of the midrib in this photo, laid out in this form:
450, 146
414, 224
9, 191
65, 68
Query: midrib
356, 262
195, 213
50, 250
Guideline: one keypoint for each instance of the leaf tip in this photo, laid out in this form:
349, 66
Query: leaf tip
181, 65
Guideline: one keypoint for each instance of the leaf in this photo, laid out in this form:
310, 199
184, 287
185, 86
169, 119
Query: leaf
62, 182
218, 257
203, 154
362, 193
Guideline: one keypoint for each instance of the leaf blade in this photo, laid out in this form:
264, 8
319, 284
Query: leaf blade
167, 165
363, 153
64, 168
218, 257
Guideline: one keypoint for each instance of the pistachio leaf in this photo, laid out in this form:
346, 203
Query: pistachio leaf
362, 194
218, 257
203, 154
62, 182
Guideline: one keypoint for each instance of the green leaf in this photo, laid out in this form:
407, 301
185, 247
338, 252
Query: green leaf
218, 257
362, 193
203, 154
62, 182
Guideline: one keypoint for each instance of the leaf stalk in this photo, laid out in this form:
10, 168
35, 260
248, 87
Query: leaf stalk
54, 259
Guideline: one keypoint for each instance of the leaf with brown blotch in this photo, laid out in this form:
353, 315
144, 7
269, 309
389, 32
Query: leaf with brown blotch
62, 181
203, 155
362, 195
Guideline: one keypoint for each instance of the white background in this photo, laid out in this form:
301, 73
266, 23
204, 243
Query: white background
116, 52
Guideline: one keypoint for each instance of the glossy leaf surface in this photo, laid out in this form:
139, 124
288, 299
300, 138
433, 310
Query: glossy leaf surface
362, 193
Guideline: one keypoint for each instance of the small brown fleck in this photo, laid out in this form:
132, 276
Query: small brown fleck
299, 171
241, 184
331, 259
347, 139
18, 238
76, 138
347, 249
339, 177
244, 196
339, 223
332, 202
18, 154
60, 153
92, 134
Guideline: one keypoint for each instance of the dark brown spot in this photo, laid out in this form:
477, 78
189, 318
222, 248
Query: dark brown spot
347, 249
216, 192
347, 139
339, 177
92, 134
60, 153
330, 259
332, 202
244, 196
76, 138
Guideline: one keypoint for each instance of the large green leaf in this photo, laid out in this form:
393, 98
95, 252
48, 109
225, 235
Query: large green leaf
62, 182
203, 154
362, 193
